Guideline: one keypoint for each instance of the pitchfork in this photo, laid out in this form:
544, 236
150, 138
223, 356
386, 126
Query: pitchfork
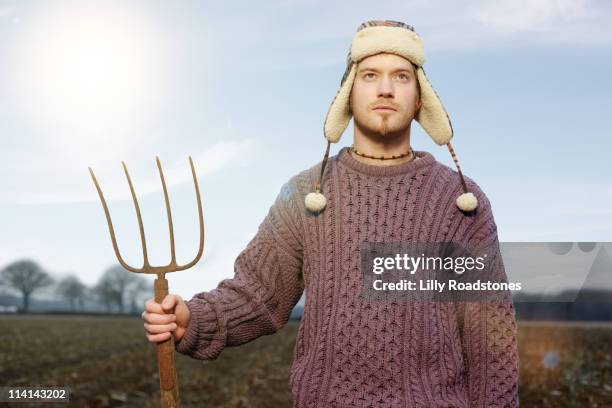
168, 379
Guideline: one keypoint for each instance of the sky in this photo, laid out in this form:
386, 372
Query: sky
243, 90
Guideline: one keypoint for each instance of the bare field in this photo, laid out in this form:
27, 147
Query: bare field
107, 362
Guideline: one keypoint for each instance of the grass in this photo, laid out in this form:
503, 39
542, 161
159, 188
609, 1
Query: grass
107, 362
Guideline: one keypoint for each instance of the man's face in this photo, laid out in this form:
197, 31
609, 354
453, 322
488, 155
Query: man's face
384, 80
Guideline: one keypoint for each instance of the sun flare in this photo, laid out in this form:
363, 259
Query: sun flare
88, 73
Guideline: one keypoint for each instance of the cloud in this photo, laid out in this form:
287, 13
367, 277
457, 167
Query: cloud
444, 26
207, 162
35, 172
552, 210
6, 12
521, 15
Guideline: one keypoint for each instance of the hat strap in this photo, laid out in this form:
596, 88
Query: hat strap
452, 152
323, 166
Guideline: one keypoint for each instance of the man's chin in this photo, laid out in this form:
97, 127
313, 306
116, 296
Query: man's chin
383, 130
378, 128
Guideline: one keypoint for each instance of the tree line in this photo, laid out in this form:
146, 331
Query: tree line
117, 289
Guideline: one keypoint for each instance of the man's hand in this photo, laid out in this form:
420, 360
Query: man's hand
172, 315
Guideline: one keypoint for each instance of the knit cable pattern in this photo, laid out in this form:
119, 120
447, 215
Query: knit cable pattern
350, 351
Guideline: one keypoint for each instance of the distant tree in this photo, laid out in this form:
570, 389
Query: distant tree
72, 289
141, 288
105, 292
118, 286
25, 276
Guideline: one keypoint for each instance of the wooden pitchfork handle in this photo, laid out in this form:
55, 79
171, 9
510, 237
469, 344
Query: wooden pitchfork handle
168, 379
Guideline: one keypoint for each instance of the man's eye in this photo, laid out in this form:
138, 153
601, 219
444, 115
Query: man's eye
403, 76
369, 75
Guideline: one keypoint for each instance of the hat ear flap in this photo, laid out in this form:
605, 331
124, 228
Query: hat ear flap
432, 116
339, 113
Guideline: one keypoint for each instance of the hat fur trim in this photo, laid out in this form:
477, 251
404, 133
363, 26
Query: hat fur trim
394, 40
339, 113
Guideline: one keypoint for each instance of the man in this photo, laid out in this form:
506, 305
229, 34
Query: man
350, 351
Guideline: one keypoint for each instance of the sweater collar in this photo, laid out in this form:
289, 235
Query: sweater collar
424, 159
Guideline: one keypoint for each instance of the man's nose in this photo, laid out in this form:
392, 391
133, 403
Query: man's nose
385, 87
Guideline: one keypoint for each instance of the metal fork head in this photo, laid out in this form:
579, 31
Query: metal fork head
147, 267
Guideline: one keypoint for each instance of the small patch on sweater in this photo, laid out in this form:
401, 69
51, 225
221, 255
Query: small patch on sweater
286, 191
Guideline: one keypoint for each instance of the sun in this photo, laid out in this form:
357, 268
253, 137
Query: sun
87, 74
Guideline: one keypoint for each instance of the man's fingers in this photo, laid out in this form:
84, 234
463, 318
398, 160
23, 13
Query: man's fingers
156, 338
167, 305
159, 328
155, 318
160, 320
152, 306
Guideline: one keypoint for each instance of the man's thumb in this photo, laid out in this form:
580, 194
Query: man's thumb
168, 303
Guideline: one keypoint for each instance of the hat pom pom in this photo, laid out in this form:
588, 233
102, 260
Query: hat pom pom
467, 202
315, 201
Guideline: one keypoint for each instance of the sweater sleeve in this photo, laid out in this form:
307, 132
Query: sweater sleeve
258, 300
488, 327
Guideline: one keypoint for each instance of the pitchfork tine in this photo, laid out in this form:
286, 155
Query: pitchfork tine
199, 200
146, 265
147, 268
110, 225
168, 211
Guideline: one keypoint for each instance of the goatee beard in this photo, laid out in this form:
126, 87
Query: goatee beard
384, 127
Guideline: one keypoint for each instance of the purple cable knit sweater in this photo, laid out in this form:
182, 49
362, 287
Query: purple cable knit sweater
351, 352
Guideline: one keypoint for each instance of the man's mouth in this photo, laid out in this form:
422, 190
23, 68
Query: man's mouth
384, 108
